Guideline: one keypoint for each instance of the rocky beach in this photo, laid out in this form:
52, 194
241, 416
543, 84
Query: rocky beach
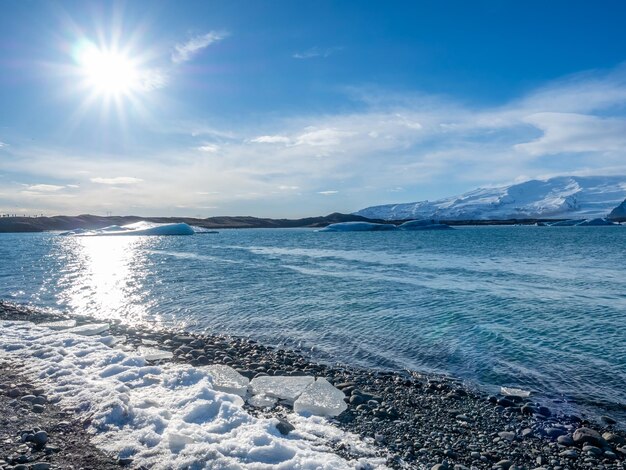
409, 419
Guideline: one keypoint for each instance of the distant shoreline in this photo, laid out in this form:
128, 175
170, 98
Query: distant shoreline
92, 222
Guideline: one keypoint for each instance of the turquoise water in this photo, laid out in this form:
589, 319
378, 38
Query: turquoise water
542, 309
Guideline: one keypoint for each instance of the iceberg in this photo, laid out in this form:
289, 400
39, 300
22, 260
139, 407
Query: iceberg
89, 329
138, 228
283, 388
357, 227
154, 354
423, 225
228, 380
595, 222
321, 398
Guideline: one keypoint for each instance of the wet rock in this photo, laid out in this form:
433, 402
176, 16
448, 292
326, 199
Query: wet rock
608, 420
504, 464
284, 427
613, 438
40, 466
565, 440
38, 408
588, 436
40, 438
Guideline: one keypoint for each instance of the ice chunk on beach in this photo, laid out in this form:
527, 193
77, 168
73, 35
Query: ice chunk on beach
283, 388
59, 325
154, 354
357, 227
228, 380
261, 401
514, 392
89, 329
321, 398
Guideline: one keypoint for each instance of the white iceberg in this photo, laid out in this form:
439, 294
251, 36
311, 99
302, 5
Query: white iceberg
59, 325
283, 388
357, 227
138, 228
228, 380
89, 329
321, 398
154, 354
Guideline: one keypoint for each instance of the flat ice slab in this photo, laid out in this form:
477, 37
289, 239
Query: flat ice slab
89, 329
59, 325
228, 380
154, 354
283, 388
321, 398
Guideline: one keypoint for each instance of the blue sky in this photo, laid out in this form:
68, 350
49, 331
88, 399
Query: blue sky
290, 109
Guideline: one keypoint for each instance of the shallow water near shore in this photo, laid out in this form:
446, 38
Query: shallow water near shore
537, 308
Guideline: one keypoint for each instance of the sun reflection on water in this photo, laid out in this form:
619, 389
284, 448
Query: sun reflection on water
108, 278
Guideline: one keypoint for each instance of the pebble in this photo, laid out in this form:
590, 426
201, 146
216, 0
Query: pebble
565, 440
40, 438
284, 427
38, 408
40, 466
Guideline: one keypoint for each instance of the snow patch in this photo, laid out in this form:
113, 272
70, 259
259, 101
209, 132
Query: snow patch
169, 416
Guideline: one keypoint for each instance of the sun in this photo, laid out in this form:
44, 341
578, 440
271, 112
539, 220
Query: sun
106, 71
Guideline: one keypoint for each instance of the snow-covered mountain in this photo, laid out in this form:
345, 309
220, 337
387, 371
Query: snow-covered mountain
554, 198
619, 212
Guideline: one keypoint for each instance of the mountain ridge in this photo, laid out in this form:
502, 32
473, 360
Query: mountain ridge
560, 197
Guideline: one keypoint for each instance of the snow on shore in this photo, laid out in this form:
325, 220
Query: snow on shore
167, 416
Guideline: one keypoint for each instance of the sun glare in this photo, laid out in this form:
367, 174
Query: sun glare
106, 71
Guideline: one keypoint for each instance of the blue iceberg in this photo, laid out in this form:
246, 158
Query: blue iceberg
357, 227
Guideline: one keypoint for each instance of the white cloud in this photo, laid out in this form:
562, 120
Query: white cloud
283, 187
117, 180
209, 148
271, 139
186, 51
327, 193
569, 132
322, 137
45, 188
2, 144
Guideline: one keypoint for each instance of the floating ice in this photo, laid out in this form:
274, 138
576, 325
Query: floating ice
89, 329
357, 227
514, 392
168, 416
283, 388
596, 222
321, 398
59, 325
154, 354
138, 228
228, 380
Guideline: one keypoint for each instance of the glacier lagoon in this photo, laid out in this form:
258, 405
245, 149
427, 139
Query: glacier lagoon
535, 308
